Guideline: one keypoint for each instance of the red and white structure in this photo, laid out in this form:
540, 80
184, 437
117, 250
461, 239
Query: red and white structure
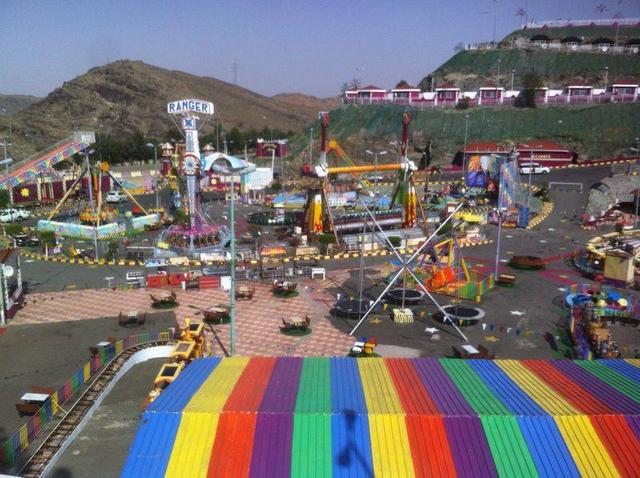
542, 152
268, 148
491, 95
406, 93
625, 90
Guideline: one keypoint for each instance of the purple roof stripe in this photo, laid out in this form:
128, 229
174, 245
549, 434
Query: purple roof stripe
441, 388
596, 387
469, 447
634, 424
271, 457
282, 390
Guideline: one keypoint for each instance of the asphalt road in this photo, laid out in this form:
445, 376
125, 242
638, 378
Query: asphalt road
110, 431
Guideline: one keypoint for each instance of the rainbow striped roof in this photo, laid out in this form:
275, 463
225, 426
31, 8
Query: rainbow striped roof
317, 417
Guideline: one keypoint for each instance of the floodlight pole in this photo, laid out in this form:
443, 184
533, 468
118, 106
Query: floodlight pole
232, 288
635, 218
404, 268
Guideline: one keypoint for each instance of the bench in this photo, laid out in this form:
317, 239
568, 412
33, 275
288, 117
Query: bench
47, 390
132, 318
27, 408
506, 280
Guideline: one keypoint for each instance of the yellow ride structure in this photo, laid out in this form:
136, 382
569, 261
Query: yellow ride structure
318, 215
190, 346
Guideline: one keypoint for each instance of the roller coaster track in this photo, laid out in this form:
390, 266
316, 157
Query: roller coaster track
54, 442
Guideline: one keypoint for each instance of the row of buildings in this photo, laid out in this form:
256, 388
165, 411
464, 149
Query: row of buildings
448, 94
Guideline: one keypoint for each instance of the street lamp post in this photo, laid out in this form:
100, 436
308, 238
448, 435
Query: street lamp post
155, 171
86, 155
464, 150
375, 161
228, 165
635, 218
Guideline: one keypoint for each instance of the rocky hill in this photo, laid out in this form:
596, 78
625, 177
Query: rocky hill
11, 104
130, 96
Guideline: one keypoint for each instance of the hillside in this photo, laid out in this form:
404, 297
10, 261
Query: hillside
310, 104
127, 96
600, 131
11, 104
472, 68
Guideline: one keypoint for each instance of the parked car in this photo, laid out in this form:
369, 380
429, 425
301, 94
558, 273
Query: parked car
116, 197
19, 214
25, 240
534, 168
8, 216
24, 213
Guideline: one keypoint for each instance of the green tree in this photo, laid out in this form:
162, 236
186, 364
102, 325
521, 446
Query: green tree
5, 198
530, 84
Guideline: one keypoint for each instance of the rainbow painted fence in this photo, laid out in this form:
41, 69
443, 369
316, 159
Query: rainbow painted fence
317, 417
20, 440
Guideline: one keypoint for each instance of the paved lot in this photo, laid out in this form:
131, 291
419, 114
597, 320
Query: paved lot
111, 430
48, 352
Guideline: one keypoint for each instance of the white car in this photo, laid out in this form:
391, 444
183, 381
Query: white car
8, 216
116, 197
534, 169
21, 213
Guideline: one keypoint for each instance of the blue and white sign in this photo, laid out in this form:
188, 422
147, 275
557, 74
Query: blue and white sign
189, 122
190, 106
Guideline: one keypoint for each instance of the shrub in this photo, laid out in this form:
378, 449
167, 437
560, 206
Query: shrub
5, 199
395, 241
463, 103
47, 238
12, 229
326, 238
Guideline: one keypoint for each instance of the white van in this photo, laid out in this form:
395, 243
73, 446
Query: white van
534, 168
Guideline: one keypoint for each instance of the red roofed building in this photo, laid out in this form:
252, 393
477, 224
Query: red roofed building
542, 152
351, 93
545, 153
406, 92
447, 94
624, 87
371, 93
490, 95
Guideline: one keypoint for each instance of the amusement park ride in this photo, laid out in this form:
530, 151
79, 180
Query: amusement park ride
196, 236
319, 217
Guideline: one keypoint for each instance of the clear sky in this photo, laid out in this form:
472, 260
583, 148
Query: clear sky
279, 45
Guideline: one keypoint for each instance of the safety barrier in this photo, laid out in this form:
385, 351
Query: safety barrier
20, 440
197, 263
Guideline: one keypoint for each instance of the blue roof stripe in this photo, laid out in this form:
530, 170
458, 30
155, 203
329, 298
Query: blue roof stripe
512, 396
347, 395
151, 448
547, 447
351, 446
180, 392
623, 368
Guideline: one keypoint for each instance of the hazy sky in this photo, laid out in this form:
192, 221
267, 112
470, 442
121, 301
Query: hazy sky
279, 45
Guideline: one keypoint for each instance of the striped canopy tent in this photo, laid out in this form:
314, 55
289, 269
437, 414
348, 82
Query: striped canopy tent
280, 417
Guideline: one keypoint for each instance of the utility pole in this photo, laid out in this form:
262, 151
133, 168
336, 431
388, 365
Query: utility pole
464, 151
635, 218
513, 72
234, 68
310, 147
